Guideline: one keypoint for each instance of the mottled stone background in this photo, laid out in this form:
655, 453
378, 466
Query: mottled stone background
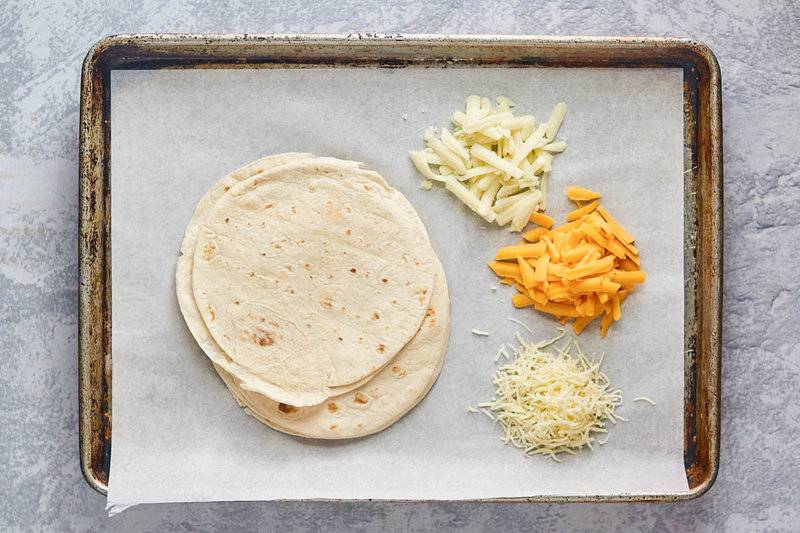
41, 48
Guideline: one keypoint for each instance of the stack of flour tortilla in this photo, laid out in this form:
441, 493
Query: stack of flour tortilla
312, 287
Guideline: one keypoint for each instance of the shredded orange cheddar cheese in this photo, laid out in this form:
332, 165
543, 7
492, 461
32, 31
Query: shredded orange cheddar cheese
542, 220
578, 271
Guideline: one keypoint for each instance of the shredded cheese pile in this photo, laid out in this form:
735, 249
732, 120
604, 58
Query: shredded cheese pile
581, 270
551, 402
494, 162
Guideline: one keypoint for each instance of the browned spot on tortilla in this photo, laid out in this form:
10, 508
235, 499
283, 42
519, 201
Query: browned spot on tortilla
396, 369
431, 323
263, 254
408, 283
226, 188
307, 266
332, 407
326, 302
348, 209
376, 316
424, 291
330, 276
421, 299
360, 398
348, 231
394, 301
262, 336
430, 312
360, 338
359, 426
341, 339
227, 220
332, 426
289, 290
286, 408
268, 206
252, 274
208, 250
385, 279
274, 324
237, 302
290, 268
211, 312
381, 348
353, 270
278, 246
367, 273
294, 210
263, 224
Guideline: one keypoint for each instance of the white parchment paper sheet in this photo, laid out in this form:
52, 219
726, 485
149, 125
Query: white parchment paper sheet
177, 433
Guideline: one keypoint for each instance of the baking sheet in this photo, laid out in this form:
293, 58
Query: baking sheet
179, 436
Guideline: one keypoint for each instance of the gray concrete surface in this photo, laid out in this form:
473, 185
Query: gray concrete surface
41, 48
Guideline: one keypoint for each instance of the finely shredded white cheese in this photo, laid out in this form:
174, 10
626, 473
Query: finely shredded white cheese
644, 399
551, 402
480, 332
494, 156
521, 324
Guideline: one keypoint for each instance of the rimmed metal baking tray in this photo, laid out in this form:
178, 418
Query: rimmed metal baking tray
702, 192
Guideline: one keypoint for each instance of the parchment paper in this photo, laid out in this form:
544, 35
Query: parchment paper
178, 435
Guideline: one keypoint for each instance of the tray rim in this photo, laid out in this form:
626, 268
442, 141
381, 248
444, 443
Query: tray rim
159, 49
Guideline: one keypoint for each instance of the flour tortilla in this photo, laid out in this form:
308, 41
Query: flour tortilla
379, 403
279, 279
183, 275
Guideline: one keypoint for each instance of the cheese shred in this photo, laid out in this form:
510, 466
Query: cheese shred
552, 402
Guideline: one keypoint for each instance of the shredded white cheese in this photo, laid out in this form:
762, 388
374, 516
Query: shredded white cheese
480, 332
551, 402
494, 162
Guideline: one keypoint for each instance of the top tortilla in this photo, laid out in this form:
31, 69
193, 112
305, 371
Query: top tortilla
310, 276
183, 272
